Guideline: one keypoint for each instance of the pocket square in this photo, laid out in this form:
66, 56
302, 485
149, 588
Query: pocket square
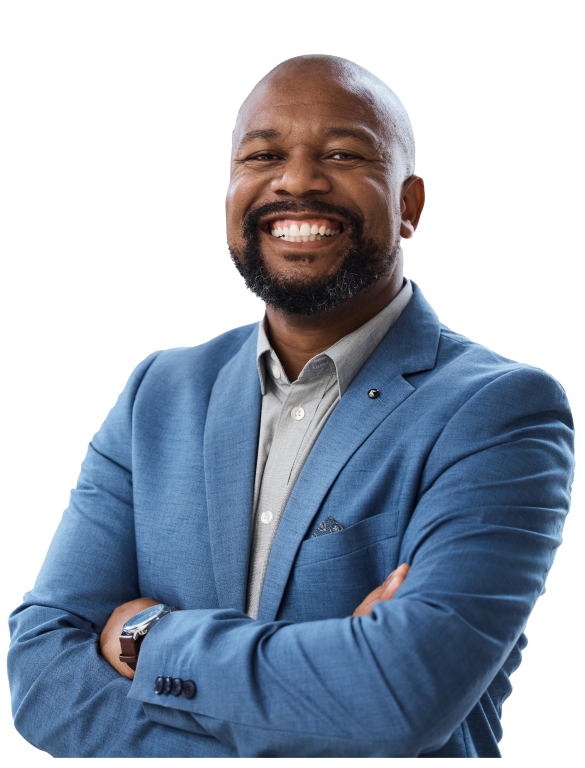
329, 525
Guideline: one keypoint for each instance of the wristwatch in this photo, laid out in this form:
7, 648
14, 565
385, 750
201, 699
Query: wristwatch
135, 630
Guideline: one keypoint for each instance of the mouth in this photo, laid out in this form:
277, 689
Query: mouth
303, 230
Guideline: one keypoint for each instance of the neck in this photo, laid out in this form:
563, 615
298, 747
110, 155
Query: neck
298, 338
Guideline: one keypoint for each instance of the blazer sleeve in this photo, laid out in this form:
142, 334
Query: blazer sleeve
493, 497
66, 698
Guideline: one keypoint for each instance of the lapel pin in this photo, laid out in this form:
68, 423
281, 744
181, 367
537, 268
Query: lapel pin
374, 393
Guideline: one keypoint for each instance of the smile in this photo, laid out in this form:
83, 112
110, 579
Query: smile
304, 230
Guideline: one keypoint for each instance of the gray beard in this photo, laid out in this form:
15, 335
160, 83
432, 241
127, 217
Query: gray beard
363, 263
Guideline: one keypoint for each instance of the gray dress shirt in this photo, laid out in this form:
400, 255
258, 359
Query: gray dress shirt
292, 417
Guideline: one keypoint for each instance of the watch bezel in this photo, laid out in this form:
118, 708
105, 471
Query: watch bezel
131, 627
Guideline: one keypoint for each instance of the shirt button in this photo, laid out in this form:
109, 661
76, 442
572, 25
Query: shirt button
266, 517
298, 413
276, 371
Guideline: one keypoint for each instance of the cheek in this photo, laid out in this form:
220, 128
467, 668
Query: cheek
233, 214
230, 221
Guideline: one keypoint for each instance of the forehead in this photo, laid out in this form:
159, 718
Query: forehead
305, 100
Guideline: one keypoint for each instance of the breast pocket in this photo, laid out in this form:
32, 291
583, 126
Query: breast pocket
334, 573
358, 536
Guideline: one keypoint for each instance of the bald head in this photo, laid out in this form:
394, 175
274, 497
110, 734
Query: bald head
331, 74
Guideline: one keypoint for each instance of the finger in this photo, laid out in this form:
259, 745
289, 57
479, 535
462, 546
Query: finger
385, 591
401, 571
365, 609
394, 582
369, 600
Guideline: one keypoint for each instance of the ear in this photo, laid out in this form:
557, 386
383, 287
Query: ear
406, 229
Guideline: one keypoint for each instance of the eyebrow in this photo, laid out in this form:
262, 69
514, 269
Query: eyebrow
333, 133
267, 133
353, 133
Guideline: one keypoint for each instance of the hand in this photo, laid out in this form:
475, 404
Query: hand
109, 644
385, 591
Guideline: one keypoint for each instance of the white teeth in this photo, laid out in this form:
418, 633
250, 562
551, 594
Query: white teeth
303, 233
283, 234
305, 230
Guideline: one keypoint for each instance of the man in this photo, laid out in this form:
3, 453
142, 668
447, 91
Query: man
267, 482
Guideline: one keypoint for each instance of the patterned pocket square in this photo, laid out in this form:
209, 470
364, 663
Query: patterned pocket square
329, 525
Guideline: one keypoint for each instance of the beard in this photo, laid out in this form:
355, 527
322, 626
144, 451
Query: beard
362, 263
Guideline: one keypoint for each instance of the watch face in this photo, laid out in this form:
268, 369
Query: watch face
143, 618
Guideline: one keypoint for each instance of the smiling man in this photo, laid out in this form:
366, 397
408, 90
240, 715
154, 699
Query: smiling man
319, 192
320, 535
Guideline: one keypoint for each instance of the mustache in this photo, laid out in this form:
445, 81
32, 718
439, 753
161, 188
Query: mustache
291, 205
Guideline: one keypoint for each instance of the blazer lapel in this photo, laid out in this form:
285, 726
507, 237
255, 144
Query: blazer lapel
410, 346
230, 447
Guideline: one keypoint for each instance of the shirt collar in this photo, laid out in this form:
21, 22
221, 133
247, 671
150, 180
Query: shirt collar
348, 354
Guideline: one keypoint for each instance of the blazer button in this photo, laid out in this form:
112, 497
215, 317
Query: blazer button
373, 393
177, 686
189, 689
158, 685
168, 684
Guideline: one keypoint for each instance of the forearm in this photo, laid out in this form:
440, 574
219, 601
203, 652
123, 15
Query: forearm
69, 702
369, 686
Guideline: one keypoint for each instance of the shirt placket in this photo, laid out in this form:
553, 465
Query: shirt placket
297, 412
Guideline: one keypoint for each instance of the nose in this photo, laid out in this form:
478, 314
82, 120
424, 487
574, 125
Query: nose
301, 176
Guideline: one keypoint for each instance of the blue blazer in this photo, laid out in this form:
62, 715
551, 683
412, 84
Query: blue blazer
462, 468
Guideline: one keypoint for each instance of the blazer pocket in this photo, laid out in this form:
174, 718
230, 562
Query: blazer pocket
358, 536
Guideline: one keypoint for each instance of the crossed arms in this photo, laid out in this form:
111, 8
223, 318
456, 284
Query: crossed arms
109, 643
394, 680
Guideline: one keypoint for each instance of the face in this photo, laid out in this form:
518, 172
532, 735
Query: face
316, 197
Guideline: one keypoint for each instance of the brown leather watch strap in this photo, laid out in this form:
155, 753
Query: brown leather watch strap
130, 647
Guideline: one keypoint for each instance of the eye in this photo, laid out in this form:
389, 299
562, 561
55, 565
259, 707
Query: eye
344, 156
264, 156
